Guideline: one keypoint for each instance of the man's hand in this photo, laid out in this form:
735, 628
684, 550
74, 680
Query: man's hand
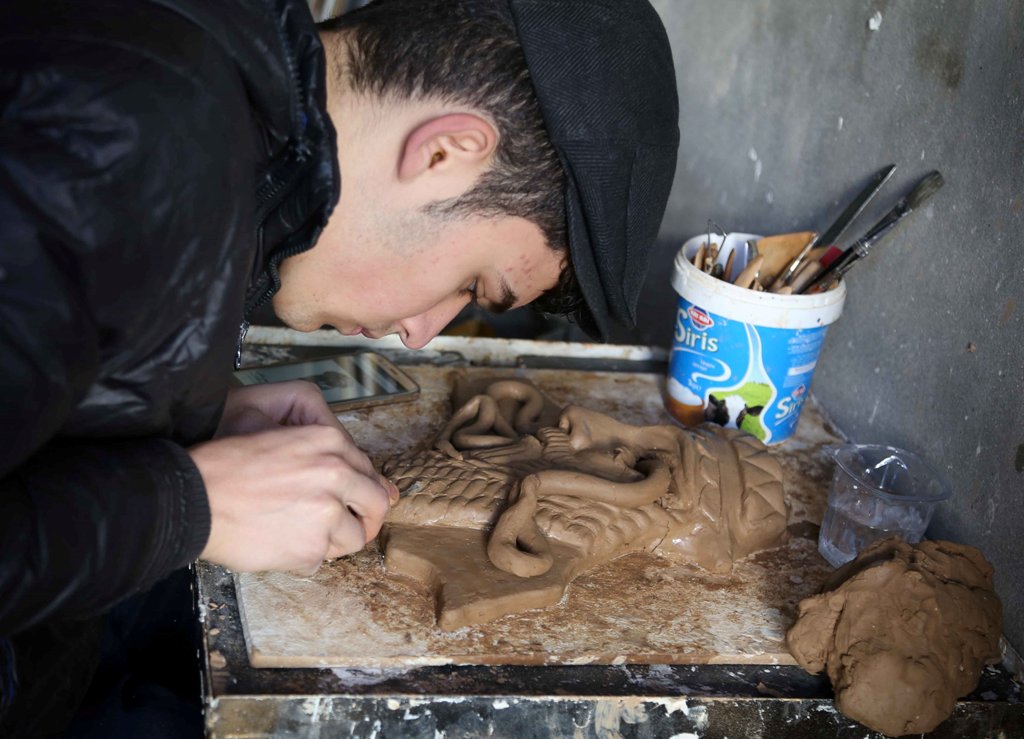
287, 485
263, 407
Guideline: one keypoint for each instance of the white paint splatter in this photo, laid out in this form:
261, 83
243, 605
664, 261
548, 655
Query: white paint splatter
311, 707
366, 676
700, 717
752, 154
500, 704
676, 704
875, 21
685, 735
769, 197
839, 126
874, 410
922, 155
977, 452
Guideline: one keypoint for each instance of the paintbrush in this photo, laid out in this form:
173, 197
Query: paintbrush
924, 189
832, 234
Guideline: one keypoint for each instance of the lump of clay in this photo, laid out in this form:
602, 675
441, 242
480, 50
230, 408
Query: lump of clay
903, 631
518, 497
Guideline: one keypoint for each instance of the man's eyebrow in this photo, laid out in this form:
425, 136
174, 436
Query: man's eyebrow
508, 297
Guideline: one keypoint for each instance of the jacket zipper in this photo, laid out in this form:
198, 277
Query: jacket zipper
242, 331
301, 151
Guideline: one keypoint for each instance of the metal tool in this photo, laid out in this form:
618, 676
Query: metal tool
804, 276
924, 189
778, 251
752, 252
717, 266
832, 234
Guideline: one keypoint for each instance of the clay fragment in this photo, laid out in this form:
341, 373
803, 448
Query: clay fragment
518, 497
902, 631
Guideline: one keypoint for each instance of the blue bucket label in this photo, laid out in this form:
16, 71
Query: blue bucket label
740, 375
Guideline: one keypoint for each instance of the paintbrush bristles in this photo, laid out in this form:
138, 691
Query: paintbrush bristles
927, 187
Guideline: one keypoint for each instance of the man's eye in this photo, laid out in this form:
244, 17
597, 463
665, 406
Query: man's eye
471, 290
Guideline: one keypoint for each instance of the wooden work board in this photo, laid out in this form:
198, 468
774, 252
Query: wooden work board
639, 609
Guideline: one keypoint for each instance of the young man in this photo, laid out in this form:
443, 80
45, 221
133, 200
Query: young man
169, 166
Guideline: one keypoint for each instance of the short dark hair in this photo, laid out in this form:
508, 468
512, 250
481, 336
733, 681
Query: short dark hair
466, 51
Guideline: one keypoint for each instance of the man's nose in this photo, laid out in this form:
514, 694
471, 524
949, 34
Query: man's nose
418, 330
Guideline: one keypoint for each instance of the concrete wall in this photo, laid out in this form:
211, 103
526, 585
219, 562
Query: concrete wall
786, 107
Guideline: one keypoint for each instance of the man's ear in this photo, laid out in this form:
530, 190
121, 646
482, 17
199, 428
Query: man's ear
448, 143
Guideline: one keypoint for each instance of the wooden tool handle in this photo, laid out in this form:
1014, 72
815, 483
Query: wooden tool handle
750, 273
780, 250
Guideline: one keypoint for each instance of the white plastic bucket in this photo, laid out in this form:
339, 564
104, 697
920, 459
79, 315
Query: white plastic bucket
741, 358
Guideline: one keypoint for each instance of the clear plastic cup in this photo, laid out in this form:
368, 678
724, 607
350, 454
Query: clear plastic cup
877, 491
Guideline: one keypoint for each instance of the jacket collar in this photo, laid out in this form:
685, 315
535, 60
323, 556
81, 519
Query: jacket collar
281, 60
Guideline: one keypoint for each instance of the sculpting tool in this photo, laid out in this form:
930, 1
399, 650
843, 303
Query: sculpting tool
804, 276
748, 277
779, 250
832, 234
709, 260
924, 189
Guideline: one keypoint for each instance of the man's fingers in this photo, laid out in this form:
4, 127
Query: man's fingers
310, 407
347, 535
369, 502
290, 403
391, 489
289, 497
330, 441
248, 421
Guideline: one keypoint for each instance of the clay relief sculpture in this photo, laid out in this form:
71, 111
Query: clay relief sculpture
517, 497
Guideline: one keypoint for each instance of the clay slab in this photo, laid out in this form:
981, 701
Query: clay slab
642, 608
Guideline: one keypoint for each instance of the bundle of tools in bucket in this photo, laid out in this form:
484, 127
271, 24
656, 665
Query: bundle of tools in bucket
807, 262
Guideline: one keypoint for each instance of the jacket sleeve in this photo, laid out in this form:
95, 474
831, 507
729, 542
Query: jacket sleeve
84, 521
85, 525
82, 525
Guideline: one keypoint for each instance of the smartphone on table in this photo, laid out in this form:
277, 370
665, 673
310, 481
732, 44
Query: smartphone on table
352, 380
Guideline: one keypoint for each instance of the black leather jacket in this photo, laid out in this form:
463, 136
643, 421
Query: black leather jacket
158, 159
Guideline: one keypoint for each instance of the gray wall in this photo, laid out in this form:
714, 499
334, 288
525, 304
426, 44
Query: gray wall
786, 107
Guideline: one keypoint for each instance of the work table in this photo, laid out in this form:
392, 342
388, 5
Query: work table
751, 687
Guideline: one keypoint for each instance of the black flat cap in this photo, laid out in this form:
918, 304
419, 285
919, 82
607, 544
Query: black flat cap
603, 73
